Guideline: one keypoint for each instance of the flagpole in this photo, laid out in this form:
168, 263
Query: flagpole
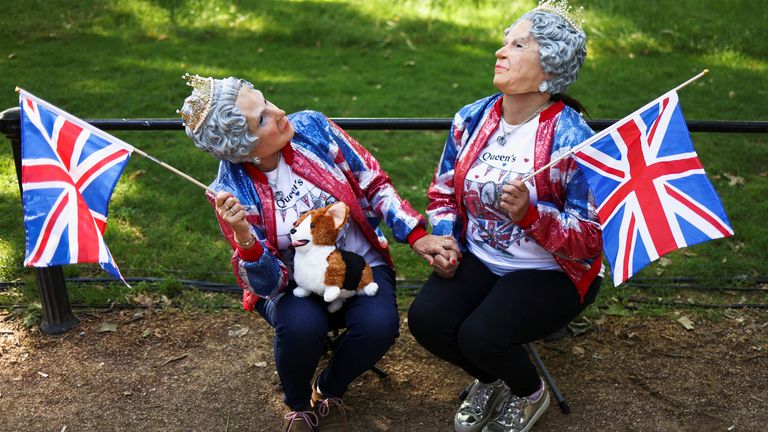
172, 169
129, 147
600, 135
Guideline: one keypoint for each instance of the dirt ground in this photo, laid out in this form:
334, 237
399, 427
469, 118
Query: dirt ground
194, 371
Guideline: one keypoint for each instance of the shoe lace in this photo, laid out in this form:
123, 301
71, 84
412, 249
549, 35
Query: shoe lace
481, 397
325, 406
512, 410
308, 417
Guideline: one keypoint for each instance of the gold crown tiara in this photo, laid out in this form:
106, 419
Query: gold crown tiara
200, 101
561, 8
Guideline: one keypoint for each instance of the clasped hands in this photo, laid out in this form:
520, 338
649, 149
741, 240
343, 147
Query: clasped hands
441, 252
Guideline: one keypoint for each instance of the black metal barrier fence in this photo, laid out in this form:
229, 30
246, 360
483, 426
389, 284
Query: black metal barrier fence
57, 312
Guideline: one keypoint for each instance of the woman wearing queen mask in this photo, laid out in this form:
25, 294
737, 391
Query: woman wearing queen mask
273, 168
531, 250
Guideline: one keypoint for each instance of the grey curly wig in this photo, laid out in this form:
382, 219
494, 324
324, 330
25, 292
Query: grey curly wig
224, 133
562, 48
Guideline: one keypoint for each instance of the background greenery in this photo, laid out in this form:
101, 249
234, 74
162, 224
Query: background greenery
372, 58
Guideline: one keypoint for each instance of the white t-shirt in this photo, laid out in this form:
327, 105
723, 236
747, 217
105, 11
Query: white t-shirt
295, 195
497, 241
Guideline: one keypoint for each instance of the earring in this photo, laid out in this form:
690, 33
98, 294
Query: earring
543, 86
256, 160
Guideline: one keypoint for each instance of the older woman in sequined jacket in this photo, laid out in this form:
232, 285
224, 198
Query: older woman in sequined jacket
531, 251
274, 167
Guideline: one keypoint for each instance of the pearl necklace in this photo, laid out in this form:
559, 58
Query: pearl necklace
501, 140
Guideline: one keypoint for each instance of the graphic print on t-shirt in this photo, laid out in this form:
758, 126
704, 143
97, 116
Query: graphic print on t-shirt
497, 241
293, 200
295, 195
494, 167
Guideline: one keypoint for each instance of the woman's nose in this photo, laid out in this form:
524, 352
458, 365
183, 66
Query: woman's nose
277, 112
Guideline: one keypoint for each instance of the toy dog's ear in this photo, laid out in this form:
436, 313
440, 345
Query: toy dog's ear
339, 212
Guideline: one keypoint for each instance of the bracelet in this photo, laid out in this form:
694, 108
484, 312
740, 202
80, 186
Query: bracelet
246, 244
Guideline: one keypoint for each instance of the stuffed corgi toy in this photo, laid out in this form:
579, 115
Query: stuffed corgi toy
318, 267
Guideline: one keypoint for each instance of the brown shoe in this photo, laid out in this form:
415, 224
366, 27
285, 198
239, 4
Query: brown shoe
331, 412
300, 421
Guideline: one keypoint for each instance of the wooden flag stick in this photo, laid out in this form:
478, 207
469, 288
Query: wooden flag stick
603, 133
173, 170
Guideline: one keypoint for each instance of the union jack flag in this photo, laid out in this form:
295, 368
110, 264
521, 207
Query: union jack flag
69, 171
652, 193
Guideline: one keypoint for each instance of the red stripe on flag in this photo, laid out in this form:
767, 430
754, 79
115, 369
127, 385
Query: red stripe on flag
724, 230
101, 225
48, 228
68, 135
44, 173
87, 239
641, 183
656, 122
603, 167
629, 245
91, 171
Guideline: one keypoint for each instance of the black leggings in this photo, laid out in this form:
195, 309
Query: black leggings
480, 321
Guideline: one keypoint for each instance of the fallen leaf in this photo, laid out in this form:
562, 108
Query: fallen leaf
146, 333
664, 261
143, 299
616, 309
136, 174
734, 180
260, 364
579, 351
107, 327
685, 322
242, 331
44, 375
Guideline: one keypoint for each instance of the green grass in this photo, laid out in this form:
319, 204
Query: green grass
375, 58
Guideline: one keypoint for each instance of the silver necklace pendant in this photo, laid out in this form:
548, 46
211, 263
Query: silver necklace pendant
501, 140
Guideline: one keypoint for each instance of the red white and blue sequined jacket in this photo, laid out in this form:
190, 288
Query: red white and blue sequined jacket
563, 221
326, 156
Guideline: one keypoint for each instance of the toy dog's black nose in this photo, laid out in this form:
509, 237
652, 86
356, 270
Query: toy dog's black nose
293, 231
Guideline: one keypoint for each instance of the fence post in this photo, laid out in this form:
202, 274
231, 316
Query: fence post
57, 313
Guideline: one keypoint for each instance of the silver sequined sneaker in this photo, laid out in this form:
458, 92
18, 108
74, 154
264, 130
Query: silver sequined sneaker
516, 414
476, 409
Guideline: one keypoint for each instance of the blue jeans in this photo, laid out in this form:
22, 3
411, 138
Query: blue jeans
301, 327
